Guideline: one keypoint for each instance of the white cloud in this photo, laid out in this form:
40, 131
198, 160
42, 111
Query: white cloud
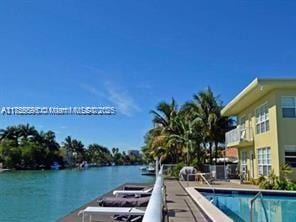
119, 97
92, 90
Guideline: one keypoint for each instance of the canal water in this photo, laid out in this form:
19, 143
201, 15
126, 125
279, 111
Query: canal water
41, 196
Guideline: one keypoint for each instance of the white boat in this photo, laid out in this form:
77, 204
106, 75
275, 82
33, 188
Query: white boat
143, 168
4, 170
149, 171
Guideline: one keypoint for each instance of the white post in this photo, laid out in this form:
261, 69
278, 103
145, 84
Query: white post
225, 173
156, 166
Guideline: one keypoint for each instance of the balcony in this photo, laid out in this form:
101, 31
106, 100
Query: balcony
239, 137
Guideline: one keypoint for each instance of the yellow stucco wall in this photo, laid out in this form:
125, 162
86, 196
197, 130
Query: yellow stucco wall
286, 128
267, 139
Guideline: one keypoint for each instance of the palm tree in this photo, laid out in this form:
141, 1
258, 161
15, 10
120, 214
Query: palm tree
26, 131
10, 133
165, 124
68, 145
49, 140
180, 133
205, 109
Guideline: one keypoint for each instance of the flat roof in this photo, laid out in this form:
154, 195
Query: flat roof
254, 91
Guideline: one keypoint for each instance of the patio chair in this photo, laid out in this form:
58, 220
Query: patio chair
134, 187
124, 201
187, 173
137, 193
110, 211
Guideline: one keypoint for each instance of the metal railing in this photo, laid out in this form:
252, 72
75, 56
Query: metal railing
251, 204
166, 168
207, 182
154, 210
239, 134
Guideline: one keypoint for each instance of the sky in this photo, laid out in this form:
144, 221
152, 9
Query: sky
132, 55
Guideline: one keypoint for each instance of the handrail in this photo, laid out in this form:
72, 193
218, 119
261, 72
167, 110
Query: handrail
210, 185
154, 210
251, 202
207, 182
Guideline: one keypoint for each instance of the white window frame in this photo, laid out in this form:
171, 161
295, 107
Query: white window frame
294, 107
264, 161
291, 148
263, 119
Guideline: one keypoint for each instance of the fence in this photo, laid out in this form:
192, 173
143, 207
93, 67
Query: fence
221, 172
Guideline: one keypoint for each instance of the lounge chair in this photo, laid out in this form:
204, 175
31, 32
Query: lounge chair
124, 201
134, 187
110, 211
137, 193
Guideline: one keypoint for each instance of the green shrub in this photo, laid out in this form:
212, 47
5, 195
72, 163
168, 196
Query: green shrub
175, 170
274, 182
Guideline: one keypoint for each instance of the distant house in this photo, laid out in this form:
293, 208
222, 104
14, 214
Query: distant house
266, 126
134, 152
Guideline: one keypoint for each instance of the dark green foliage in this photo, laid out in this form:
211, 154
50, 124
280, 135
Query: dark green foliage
273, 182
23, 147
175, 170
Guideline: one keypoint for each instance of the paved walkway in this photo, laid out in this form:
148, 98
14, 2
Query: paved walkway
180, 206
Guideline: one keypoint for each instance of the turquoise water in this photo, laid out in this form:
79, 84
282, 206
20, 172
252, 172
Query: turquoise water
236, 206
37, 196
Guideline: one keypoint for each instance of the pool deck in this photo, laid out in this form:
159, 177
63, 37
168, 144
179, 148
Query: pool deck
180, 206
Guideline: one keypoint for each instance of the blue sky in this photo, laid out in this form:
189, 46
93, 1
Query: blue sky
133, 54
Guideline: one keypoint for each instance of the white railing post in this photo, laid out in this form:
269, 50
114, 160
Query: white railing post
156, 166
154, 210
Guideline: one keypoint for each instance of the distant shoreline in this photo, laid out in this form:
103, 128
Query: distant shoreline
65, 168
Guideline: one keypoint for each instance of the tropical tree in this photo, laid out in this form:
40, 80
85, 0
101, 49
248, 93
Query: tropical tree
99, 154
10, 133
165, 124
26, 132
206, 108
184, 134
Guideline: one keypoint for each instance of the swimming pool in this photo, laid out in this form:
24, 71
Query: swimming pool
280, 206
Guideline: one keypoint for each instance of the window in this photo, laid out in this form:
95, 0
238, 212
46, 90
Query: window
290, 155
288, 106
262, 119
264, 161
244, 161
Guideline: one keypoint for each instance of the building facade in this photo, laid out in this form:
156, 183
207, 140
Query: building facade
134, 152
266, 126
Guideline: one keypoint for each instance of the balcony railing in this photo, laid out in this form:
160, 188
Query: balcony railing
239, 136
